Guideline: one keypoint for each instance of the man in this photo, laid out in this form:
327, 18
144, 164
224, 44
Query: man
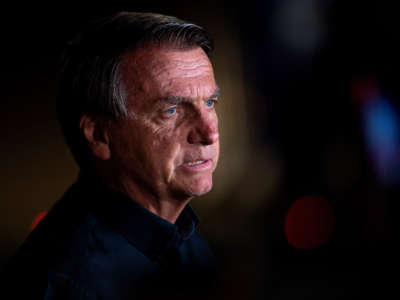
136, 105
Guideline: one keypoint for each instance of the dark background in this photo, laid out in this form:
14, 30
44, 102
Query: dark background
309, 108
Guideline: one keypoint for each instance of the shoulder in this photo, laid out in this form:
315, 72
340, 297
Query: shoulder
78, 258
99, 263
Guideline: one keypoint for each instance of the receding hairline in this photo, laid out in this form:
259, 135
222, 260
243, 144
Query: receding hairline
159, 46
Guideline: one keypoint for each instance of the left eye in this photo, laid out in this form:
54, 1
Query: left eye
210, 103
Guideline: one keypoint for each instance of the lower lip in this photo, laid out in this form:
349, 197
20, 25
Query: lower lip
199, 167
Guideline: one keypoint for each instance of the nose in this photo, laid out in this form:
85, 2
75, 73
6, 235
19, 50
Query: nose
205, 130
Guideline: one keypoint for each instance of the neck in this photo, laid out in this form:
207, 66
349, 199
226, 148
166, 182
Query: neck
163, 205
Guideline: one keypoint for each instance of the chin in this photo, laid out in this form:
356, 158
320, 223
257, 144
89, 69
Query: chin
201, 187
198, 187
201, 192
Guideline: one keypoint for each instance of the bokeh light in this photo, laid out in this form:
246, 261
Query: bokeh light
37, 219
309, 222
381, 126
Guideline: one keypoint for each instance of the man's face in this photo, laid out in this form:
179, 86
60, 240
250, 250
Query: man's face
171, 145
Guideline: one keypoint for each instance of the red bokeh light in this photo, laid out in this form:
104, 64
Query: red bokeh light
364, 90
37, 219
309, 222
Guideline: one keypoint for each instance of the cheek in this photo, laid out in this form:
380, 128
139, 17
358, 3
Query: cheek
217, 154
167, 147
168, 156
164, 148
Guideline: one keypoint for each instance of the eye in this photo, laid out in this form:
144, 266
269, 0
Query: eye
210, 103
170, 111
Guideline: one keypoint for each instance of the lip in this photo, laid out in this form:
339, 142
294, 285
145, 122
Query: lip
205, 165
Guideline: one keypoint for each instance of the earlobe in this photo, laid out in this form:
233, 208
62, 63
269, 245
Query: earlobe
95, 136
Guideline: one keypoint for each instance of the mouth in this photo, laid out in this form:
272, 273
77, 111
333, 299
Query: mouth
198, 165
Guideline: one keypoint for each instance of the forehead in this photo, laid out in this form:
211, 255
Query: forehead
161, 72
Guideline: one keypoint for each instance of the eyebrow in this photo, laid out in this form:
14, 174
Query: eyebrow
216, 94
178, 99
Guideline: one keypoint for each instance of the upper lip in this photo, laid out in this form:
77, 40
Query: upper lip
198, 155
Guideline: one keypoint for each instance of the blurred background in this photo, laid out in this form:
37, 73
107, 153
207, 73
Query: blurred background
307, 189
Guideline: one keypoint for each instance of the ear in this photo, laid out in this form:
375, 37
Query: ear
96, 137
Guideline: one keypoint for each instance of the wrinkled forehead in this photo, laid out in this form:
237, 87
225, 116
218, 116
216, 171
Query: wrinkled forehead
166, 71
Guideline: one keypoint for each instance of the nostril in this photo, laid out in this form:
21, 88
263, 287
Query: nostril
207, 138
210, 138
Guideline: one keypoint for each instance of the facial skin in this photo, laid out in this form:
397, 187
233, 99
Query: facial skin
172, 94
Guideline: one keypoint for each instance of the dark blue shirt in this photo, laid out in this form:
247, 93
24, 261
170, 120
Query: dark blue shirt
99, 244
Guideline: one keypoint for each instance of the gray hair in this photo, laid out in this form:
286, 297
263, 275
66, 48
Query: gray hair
90, 82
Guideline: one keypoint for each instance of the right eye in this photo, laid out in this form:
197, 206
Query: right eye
171, 111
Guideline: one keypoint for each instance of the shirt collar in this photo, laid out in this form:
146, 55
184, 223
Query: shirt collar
148, 232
